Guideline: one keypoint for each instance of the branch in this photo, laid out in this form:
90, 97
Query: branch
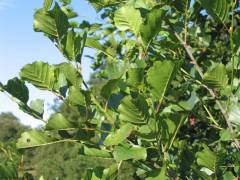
188, 49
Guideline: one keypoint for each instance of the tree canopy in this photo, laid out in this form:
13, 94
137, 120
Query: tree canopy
164, 99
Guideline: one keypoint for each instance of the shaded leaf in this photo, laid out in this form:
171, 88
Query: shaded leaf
159, 77
109, 87
17, 89
218, 9
152, 25
158, 174
216, 77
133, 110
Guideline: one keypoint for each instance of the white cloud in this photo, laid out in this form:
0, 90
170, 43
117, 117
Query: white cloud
5, 4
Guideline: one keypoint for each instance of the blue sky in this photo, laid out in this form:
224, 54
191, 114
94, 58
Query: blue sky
20, 45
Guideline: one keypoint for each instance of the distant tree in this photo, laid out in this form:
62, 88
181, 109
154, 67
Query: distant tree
10, 127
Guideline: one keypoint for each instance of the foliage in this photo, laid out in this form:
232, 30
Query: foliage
11, 162
168, 108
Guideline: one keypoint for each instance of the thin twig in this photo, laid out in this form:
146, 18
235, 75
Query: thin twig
211, 92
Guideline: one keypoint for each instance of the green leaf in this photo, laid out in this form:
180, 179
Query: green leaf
159, 77
119, 136
116, 69
229, 176
76, 97
53, 23
33, 139
73, 77
144, 4
218, 9
69, 12
38, 106
8, 171
66, 1
234, 114
226, 135
17, 89
109, 87
47, 4
95, 44
207, 158
170, 126
128, 18
158, 174
73, 45
152, 25
236, 36
58, 122
126, 152
216, 77
181, 5
135, 76
39, 74
96, 152
133, 110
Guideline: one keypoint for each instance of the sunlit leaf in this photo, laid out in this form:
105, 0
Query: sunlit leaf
39, 74
126, 152
34, 138
120, 135
128, 18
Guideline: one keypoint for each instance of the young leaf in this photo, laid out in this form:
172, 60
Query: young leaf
120, 135
159, 77
128, 18
39, 74
218, 9
152, 25
217, 77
